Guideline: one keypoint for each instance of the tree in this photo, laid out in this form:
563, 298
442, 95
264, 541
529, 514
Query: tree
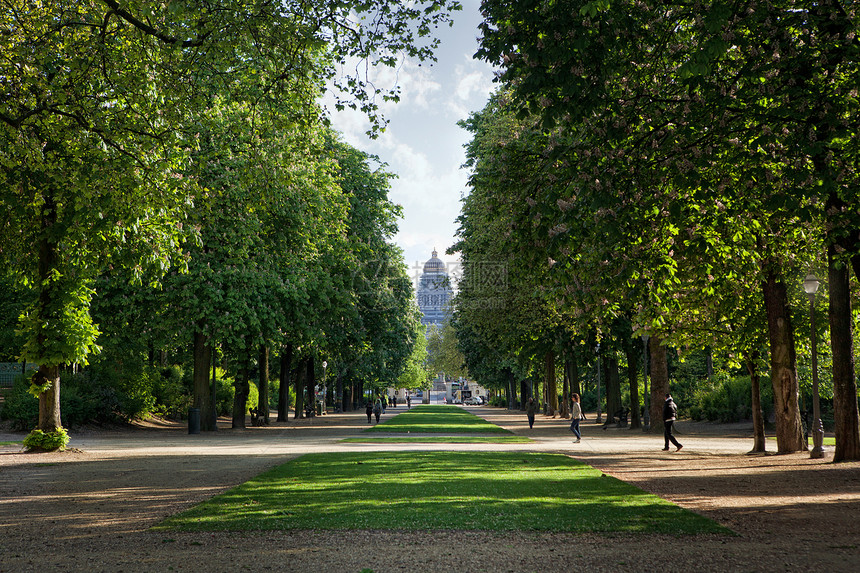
677, 91
92, 161
415, 372
443, 352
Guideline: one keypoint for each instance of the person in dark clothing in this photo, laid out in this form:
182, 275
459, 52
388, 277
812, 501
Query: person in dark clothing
409, 402
368, 410
531, 408
377, 410
670, 412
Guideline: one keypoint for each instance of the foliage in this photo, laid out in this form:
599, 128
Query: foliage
727, 399
46, 441
98, 174
443, 353
20, 407
681, 168
506, 490
225, 390
499, 402
102, 396
415, 372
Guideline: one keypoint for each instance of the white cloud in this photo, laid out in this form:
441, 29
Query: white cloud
423, 144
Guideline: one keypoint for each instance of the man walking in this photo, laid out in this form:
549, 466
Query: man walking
670, 412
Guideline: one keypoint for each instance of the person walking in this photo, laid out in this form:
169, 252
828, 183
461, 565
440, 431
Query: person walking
575, 417
531, 408
409, 401
368, 410
377, 410
670, 412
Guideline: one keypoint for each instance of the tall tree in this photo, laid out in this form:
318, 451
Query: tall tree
91, 160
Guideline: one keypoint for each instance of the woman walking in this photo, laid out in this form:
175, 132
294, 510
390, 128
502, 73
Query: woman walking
575, 417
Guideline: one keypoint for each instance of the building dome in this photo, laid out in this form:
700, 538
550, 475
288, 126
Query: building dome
434, 292
434, 265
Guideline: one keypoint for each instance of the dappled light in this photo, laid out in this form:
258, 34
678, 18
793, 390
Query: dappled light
439, 490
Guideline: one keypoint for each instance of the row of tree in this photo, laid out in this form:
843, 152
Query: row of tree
667, 169
182, 144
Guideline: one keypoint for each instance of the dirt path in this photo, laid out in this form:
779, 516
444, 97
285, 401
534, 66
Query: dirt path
90, 509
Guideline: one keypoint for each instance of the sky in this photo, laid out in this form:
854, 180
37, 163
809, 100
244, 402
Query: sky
422, 144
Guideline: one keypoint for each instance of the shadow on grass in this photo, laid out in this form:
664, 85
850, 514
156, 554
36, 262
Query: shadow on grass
495, 491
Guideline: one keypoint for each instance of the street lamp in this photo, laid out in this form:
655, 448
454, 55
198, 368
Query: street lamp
810, 285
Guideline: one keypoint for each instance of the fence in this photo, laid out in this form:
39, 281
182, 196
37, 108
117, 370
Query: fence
11, 370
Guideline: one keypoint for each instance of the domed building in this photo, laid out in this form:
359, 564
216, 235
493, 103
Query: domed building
434, 291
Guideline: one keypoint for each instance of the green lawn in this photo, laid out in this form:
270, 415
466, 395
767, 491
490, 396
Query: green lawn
495, 491
828, 440
425, 439
437, 420
10, 443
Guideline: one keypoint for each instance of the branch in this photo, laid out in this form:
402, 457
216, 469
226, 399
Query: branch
147, 29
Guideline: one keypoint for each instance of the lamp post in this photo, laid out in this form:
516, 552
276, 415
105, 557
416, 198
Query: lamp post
810, 285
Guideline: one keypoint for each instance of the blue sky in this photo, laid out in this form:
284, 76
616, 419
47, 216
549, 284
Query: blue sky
423, 144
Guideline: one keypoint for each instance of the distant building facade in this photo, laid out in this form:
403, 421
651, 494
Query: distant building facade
434, 292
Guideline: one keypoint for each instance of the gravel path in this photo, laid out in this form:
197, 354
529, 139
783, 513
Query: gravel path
89, 509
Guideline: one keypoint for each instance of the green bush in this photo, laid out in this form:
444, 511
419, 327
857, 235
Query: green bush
225, 392
47, 441
88, 397
728, 399
172, 398
499, 401
20, 407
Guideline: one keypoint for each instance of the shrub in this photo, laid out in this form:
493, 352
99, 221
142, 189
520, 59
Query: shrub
499, 401
47, 441
729, 399
20, 407
225, 391
172, 398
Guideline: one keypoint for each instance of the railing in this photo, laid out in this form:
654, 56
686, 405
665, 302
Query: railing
11, 370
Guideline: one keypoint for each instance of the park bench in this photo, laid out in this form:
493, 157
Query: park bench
258, 417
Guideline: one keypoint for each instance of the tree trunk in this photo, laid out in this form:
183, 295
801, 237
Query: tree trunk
240, 396
203, 399
565, 390
525, 392
845, 414
263, 385
575, 382
310, 380
299, 388
759, 443
551, 385
613, 385
659, 382
783, 367
49, 400
284, 384
339, 391
633, 381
